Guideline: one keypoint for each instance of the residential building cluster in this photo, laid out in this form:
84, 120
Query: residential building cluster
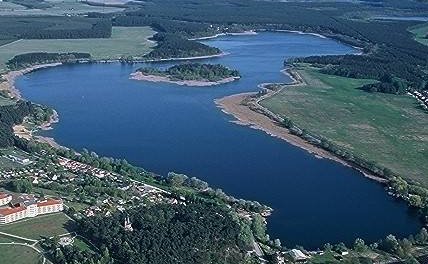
75, 166
422, 97
14, 208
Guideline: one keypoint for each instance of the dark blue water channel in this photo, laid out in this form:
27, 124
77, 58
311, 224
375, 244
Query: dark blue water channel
166, 127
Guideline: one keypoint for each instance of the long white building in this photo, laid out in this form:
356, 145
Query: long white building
28, 206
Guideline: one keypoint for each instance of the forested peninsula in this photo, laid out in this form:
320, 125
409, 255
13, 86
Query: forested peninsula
194, 74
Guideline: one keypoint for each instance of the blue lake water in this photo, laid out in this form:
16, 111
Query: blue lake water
166, 127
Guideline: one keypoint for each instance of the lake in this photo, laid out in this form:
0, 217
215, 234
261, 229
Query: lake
166, 127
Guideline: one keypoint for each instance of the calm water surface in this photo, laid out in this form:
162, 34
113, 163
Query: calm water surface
165, 127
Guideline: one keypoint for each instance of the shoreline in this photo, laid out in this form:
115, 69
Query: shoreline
257, 117
221, 54
11, 76
22, 131
139, 76
245, 33
8, 85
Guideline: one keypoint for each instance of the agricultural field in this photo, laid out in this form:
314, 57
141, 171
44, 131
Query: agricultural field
19, 254
41, 226
125, 41
420, 32
387, 129
56, 7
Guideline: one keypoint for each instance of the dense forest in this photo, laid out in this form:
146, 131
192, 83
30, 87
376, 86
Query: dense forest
53, 27
27, 59
165, 233
174, 46
194, 71
11, 115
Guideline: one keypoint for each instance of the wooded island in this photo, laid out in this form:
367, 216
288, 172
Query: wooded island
193, 74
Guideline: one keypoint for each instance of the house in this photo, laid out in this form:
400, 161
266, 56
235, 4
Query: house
297, 255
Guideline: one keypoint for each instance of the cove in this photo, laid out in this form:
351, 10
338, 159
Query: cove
165, 127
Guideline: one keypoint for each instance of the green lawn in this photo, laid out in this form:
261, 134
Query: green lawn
420, 31
35, 228
125, 41
8, 239
81, 243
388, 129
19, 254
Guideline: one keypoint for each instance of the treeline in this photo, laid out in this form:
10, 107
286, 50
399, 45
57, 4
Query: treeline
336, 149
174, 46
55, 27
101, 29
26, 59
182, 28
11, 115
194, 71
166, 233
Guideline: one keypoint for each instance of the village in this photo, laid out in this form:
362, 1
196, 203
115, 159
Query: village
66, 180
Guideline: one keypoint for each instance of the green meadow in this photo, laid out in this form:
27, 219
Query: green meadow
387, 129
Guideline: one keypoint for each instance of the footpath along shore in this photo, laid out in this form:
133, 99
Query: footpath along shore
247, 111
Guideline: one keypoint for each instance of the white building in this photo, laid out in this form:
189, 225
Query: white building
5, 198
29, 207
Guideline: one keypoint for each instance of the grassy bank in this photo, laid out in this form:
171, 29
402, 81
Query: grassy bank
131, 41
387, 129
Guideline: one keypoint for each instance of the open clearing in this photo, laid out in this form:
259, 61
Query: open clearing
125, 41
19, 254
420, 31
388, 129
41, 226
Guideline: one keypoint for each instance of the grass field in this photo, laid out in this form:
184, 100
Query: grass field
8, 239
81, 243
420, 31
125, 41
388, 129
41, 226
59, 7
19, 254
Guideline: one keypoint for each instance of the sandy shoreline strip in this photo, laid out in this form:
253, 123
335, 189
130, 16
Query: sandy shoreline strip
10, 78
22, 131
235, 105
245, 33
139, 76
